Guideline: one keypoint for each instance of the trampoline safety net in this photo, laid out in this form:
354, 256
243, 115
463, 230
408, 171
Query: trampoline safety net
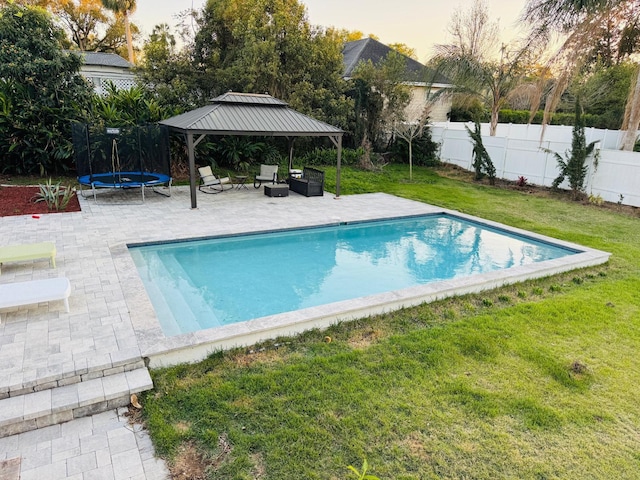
99, 150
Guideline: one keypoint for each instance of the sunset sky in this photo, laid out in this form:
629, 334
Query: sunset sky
418, 23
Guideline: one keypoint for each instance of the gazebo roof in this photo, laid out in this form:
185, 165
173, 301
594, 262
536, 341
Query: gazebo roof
250, 114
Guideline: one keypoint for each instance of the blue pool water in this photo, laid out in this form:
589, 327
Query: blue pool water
201, 284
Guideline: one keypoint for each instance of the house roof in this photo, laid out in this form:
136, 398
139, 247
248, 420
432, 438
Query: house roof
102, 59
369, 49
249, 114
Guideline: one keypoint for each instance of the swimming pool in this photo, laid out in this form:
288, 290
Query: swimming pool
211, 283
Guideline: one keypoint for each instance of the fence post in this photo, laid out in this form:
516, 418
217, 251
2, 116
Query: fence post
505, 148
546, 161
592, 165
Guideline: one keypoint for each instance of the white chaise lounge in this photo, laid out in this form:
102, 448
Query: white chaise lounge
28, 251
35, 291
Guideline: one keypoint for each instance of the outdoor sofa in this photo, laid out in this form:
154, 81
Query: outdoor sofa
311, 184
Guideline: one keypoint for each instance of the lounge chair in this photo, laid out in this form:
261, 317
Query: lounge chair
28, 251
35, 291
268, 173
210, 183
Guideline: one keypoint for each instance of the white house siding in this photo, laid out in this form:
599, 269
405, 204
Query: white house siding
439, 111
99, 76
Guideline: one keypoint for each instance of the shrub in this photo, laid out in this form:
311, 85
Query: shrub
481, 160
573, 167
329, 156
55, 196
41, 91
596, 199
558, 118
424, 151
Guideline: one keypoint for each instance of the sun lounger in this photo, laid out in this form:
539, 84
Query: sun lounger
28, 251
35, 291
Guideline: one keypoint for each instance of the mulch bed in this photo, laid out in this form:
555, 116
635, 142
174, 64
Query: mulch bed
20, 200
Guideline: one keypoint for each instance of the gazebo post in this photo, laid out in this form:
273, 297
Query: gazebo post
290, 140
337, 141
338, 166
192, 170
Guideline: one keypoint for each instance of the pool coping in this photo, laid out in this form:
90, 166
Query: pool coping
160, 350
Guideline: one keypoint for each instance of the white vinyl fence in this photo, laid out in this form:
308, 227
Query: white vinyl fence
517, 150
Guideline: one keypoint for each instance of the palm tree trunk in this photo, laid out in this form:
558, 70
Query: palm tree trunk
632, 117
494, 120
127, 29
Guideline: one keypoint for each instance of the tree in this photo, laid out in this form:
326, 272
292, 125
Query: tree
81, 20
482, 163
415, 129
573, 168
89, 26
581, 21
603, 91
404, 49
124, 8
269, 46
474, 73
41, 91
169, 72
380, 97
474, 35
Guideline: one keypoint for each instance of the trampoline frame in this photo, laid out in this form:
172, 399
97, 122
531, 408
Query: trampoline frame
122, 180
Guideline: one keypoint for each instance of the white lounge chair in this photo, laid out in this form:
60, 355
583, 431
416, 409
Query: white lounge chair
35, 291
268, 173
213, 183
28, 251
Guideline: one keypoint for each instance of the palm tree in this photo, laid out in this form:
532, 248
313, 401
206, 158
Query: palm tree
124, 8
470, 64
493, 81
581, 20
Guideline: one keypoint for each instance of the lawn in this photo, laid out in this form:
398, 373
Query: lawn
531, 381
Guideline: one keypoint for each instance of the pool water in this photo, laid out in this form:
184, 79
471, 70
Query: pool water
202, 284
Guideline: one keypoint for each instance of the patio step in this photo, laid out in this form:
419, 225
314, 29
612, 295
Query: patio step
36, 380
30, 411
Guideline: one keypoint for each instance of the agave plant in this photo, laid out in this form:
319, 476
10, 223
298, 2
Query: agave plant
56, 196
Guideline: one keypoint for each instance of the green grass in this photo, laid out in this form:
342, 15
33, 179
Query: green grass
538, 380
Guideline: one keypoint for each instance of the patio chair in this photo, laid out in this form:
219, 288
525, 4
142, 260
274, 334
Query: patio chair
268, 173
210, 183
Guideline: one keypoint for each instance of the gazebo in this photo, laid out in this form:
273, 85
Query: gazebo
249, 114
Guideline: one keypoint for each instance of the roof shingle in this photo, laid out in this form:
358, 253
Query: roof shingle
369, 49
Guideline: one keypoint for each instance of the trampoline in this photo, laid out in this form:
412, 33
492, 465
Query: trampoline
125, 180
122, 158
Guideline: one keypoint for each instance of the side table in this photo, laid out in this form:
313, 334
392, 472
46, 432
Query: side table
240, 181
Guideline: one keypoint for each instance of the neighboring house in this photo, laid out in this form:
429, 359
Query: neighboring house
99, 68
421, 79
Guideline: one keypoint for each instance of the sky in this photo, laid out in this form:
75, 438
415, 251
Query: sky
418, 23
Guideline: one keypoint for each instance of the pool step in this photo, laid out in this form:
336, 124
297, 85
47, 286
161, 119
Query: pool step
187, 307
30, 411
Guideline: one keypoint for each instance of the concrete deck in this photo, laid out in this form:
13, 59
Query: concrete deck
111, 326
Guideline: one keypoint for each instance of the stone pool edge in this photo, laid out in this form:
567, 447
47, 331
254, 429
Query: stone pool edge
160, 350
